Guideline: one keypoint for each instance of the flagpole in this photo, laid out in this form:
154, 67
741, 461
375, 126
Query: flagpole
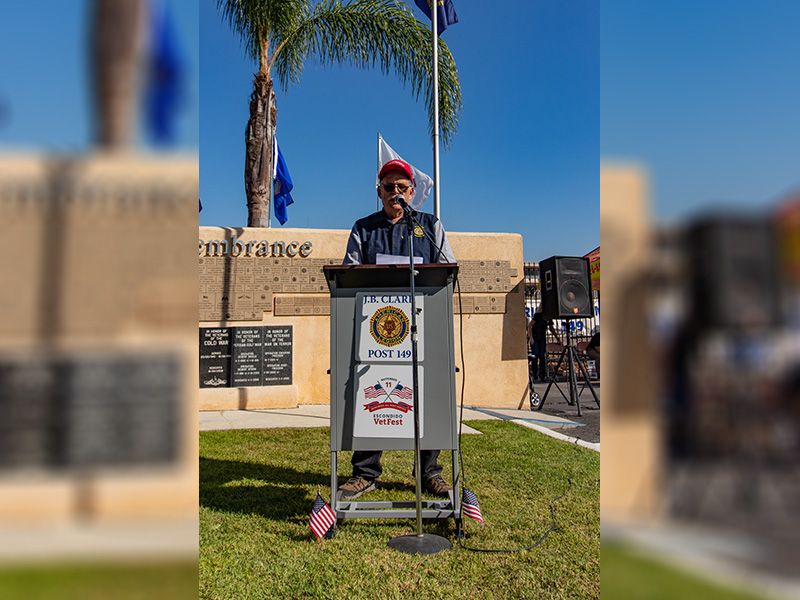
272, 166
378, 200
435, 38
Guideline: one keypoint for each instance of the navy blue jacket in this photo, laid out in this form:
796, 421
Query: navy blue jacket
376, 234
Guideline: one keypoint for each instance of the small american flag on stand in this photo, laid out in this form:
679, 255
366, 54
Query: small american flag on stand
322, 517
470, 506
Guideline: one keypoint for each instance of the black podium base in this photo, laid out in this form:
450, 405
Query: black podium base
426, 543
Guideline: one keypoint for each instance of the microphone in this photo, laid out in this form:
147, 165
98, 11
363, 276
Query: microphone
402, 202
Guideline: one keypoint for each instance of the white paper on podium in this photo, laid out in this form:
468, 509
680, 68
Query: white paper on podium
391, 259
385, 402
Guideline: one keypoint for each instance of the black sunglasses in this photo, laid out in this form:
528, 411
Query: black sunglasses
390, 187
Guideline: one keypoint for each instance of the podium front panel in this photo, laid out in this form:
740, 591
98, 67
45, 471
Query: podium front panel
384, 412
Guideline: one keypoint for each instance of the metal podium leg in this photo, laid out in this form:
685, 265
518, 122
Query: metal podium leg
456, 499
334, 482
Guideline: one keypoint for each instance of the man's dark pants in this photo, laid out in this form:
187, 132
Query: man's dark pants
367, 464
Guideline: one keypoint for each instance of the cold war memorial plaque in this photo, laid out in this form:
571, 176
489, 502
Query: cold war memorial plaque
215, 356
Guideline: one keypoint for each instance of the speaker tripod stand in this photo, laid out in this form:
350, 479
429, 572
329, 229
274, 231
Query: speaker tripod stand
573, 359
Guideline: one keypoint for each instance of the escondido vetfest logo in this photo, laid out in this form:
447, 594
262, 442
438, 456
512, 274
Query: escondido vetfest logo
389, 326
388, 394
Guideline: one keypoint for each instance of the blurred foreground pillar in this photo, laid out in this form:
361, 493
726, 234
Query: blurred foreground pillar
632, 459
98, 353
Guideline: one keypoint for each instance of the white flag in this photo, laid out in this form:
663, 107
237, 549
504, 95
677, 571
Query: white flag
424, 184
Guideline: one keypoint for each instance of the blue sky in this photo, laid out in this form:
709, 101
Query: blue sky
704, 98
44, 91
703, 95
524, 159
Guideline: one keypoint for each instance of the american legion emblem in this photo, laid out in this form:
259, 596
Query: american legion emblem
418, 232
389, 326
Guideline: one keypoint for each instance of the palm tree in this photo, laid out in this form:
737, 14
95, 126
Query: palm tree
282, 34
117, 36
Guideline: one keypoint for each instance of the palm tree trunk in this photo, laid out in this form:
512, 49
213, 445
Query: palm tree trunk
259, 140
117, 34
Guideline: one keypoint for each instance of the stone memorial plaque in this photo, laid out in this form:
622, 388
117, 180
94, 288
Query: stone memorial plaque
278, 355
247, 356
84, 412
215, 356
28, 406
122, 412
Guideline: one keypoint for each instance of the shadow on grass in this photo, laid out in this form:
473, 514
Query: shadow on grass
277, 493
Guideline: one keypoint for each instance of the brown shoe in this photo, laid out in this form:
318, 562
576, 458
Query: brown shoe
355, 486
437, 486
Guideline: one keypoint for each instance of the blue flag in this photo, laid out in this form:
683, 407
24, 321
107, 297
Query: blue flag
283, 185
445, 13
166, 75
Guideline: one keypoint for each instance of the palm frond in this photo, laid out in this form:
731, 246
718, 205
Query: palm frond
370, 33
257, 21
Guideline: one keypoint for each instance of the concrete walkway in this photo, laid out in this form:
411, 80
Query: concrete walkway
318, 415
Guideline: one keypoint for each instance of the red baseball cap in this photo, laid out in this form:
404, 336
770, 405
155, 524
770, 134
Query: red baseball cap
397, 165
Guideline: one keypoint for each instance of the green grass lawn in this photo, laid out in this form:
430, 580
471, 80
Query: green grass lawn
165, 579
257, 487
628, 574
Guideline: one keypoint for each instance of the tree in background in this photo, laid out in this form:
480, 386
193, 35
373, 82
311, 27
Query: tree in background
282, 34
115, 55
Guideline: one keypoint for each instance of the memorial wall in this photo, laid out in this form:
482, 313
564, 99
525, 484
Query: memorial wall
97, 345
264, 335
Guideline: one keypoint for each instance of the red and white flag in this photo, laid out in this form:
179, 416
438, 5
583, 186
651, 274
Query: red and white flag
322, 517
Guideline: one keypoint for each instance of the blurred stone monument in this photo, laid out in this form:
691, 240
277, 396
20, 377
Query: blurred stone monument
98, 314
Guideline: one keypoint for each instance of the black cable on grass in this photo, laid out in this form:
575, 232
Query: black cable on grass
554, 524
463, 381
553, 527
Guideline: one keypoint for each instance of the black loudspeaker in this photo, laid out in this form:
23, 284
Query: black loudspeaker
734, 276
566, 287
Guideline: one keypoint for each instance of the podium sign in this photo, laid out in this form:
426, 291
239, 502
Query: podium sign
386, 328
385, 402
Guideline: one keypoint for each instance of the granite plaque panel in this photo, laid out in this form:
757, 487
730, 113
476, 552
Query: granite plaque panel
215, 356
85, 412
246, 356
278, 355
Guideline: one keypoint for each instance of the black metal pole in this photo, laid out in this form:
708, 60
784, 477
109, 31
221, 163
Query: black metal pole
573, 384
419, 543
414, 368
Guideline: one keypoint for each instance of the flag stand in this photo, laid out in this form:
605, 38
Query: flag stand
418, 543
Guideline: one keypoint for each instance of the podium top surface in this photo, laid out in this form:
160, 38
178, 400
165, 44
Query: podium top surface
360, 276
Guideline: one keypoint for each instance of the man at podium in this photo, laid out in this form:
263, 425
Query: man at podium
380, 238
